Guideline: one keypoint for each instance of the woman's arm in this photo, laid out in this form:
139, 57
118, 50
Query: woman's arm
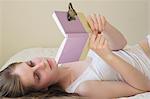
131, 75
115, 38
105, 89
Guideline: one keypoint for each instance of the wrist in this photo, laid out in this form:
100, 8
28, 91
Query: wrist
108, 57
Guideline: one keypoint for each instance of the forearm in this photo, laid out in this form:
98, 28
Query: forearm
115, 38
131, 75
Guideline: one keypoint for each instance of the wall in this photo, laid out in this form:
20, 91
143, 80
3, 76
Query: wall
28, 23
1, 33
148, 16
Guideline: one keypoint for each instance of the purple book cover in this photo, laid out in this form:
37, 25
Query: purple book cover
68, 27
75, 38
72, 49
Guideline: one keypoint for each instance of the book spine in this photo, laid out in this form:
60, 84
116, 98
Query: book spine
71, 49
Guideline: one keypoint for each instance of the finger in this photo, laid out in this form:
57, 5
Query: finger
91, 23
97, 40
99, 23
92, 39
101, 41
95, 22
106, 43
103, 22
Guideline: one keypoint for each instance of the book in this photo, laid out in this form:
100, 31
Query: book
74, 46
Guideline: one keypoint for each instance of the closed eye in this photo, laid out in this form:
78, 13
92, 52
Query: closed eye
30, 63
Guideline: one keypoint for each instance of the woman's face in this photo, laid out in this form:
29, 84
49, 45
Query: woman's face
38, 72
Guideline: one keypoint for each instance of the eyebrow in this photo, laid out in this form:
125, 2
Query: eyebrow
34, 80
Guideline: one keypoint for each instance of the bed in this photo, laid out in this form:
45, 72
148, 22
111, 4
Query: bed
51, 52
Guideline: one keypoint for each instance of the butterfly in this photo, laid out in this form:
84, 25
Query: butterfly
71, 13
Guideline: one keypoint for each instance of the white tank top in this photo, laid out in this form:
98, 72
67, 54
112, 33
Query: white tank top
98, 69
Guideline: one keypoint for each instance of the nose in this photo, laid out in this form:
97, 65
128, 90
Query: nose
40, 65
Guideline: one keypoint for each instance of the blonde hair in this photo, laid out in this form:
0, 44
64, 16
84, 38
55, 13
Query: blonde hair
10, 84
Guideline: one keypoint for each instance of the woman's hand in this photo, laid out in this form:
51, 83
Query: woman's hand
97, 41
97, 23
99, 45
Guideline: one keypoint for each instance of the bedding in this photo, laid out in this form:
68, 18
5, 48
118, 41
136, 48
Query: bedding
51, 52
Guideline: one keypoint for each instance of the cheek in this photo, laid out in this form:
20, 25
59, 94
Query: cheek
47, 78
45, 81
50, 76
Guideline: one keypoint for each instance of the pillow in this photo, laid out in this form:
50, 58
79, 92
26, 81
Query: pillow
30, 53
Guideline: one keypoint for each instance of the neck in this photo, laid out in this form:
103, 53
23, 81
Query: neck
65, 76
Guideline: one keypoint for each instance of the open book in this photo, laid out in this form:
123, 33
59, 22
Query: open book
74, 47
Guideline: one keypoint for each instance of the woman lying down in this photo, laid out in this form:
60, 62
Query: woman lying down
110, 72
